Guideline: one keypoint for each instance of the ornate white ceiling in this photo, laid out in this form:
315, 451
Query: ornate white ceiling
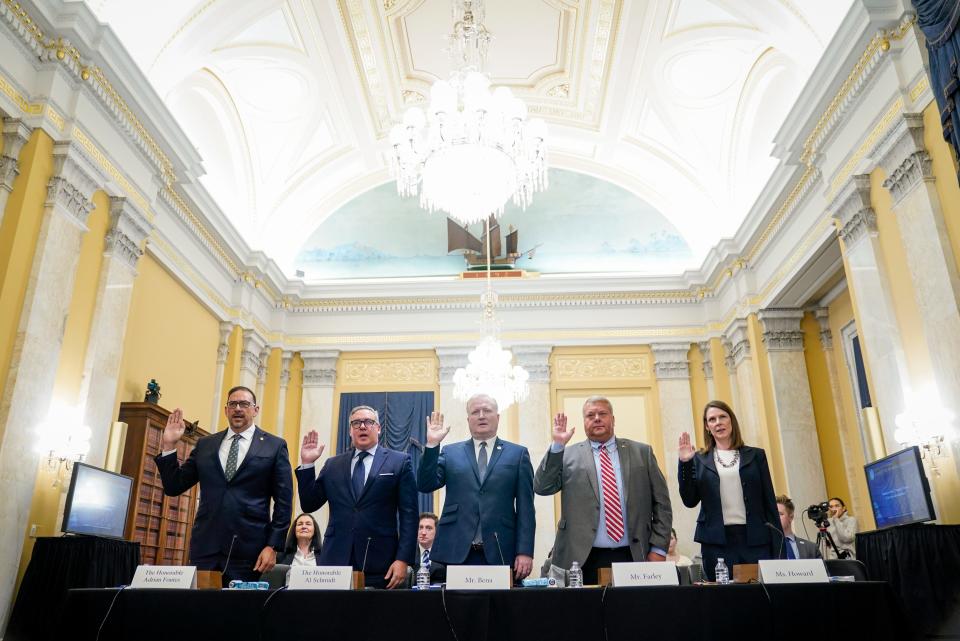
289, 102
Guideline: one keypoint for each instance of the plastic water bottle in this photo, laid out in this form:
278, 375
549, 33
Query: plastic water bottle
723, 575
423, 578
576, 576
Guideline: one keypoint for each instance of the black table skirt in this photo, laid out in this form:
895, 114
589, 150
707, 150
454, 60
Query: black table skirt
743, 612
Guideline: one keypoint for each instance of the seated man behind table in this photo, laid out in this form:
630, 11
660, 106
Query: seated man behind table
373, 502
426, 533
239, 470
795, 547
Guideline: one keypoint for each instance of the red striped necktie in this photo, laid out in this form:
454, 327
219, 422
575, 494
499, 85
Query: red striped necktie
611, 496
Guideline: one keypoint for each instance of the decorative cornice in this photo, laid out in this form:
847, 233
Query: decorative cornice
128, 229
253, 345
451, 359
707, 359
591, 368
853, 211
904, 157
15, 136
728, 356
70, 190
738, 339
822, 314
176, 202
781, 329
320, 368
535, 359
389, 371
670, 361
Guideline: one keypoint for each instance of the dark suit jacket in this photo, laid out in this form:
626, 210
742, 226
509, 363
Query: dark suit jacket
700, 483
240, 507
807, 549
385, 513
438, 571
502, 503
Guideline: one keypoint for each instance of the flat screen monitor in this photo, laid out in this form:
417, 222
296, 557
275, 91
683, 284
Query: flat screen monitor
899, 491
97, 502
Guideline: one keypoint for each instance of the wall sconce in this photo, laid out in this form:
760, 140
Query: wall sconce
926, 424
63, 441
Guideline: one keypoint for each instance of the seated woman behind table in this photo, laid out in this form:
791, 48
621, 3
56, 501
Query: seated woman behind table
303, 542
674, 555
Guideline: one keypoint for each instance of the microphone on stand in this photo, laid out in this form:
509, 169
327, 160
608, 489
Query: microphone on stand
782, 537
499, 551
363, 566
226, 563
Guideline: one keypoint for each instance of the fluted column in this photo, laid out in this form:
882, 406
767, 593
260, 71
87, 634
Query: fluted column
876, 319
15, 136
454, 410
534, 432
848, 445
253, 345
748, 407
285, 360
36, 349
262, 371
223, 351
793, 404
930, 257
707, 367
316, 408
108, 327
673, 384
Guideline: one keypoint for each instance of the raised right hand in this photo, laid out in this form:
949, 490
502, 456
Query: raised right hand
173, 431
685, 449
436, 431
311, 448
561, 434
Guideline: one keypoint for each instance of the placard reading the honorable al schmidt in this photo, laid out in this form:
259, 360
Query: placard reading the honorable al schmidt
645, 573
320, 577
793, 571
479, 577
170, 577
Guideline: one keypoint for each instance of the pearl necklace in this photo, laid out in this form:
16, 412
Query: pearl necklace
736, 458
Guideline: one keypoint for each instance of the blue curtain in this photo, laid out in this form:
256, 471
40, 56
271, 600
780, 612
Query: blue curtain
938, 21
402, 424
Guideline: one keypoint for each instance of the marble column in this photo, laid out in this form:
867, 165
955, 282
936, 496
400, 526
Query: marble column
930, 258
852, 464
15, 136
749, 407
253, 345
285, 359
108, 326
870, 292
262, 372
793, 404
36, 349
454, 410
223, 351
731, 369
673, 384
316, 409
534, 428
708, 368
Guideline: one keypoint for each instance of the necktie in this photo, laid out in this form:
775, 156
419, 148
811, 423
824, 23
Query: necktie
611, 497
425, 559
358, 479
790, 554
482, 460
231, 467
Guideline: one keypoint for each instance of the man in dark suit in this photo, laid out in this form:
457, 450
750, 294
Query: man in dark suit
488, 515
615, 506
239, 470
373, 502
794, 547
426, 535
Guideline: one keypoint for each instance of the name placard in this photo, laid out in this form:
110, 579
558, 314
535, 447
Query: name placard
793, 571
169, 577
479, 577
320, 577
645, 573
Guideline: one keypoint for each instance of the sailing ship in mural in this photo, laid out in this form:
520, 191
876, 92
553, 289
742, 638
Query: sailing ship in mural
475, 250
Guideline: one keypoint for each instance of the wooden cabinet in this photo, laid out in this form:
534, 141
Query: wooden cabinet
160, 523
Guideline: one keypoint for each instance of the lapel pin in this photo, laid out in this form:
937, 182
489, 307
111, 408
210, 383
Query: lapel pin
261, 438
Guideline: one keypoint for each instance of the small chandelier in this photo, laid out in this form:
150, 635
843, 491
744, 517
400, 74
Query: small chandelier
472, 150
489, 370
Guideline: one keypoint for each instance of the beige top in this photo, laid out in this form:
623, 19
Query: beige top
731, 492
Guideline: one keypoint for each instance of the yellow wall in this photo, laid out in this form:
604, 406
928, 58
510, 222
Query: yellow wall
291, 412
170, 337
270, 403
769, 427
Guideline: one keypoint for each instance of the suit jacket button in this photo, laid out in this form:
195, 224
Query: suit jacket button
636, 540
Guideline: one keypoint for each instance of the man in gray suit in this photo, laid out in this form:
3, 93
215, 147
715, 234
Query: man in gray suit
615, 506
794, 547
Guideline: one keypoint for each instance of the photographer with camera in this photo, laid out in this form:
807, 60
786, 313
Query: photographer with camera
842, 527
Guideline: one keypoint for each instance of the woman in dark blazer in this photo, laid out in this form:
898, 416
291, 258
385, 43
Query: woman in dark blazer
303, 542
731, 482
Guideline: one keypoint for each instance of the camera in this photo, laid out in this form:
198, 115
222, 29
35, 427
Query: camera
820, 514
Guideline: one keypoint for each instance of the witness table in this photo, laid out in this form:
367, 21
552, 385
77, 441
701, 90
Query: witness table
743, 612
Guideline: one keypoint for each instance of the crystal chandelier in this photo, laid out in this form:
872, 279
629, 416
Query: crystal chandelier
472, 150
489, 370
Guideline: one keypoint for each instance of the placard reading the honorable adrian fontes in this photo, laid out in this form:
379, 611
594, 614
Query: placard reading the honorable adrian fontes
793, 571
646, 573
479, 577
320, 577
172, 577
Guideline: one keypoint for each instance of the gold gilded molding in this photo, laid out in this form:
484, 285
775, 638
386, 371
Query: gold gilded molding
584, 368
205, 236
176, 34
785, 207
389, 371
196, 280
868, 144
919, 88
101, 159
32, 109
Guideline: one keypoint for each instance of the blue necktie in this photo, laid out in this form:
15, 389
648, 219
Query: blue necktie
425, 559
358, 475
790, 554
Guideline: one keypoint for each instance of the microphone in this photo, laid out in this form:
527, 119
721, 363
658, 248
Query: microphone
499, 551
229, 554
363, 567
782, 537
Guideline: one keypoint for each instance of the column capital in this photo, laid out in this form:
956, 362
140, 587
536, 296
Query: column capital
15, 136
262, 367
128, 229
670, 360
253, 345
904, 157
738, 342
853, 211
781, 329
707, 358
286, 357
70, 190
451, 359
223, 347
320, 368
535, 359
822, 314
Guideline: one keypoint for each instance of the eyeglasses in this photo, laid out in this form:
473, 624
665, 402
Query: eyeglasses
365, 422
241, 404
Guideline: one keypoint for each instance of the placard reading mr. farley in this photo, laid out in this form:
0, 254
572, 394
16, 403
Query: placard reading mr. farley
645, 573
